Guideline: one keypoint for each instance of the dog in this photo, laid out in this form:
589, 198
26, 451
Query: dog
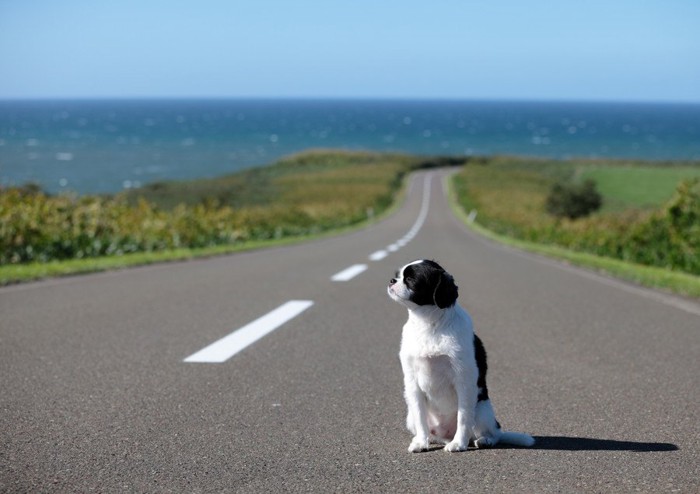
444, 365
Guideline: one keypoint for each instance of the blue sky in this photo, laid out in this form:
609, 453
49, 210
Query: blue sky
620, 50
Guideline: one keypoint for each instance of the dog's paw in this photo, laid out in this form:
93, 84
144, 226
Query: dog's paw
418, 444
484, 442
455, 446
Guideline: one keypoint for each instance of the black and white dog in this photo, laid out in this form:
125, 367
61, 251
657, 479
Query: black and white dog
444, 365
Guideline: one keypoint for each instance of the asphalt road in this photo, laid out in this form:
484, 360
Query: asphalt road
97, 395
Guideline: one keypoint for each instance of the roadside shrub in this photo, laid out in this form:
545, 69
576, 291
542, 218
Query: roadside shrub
671, 237
334, 190
573, 200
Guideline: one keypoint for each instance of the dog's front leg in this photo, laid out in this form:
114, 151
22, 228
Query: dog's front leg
415, 399
466, 404
417, 420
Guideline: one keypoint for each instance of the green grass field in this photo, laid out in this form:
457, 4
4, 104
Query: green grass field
651, 216
623, 187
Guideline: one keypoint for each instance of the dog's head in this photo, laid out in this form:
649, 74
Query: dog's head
423, 282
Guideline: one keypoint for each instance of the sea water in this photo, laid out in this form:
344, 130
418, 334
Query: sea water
108, 146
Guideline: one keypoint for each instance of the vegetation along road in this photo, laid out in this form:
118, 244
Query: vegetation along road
129, 381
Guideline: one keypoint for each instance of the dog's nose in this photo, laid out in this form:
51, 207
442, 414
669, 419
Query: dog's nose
392, 281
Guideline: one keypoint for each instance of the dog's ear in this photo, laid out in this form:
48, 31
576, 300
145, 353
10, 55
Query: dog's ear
445, 294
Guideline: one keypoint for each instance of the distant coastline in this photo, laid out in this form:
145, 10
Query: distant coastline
103, 146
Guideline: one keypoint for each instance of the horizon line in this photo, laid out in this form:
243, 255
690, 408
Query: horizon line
426, 99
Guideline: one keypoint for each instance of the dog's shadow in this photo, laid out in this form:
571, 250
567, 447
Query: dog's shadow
564, 443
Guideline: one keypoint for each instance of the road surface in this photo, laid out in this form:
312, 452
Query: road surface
277, 370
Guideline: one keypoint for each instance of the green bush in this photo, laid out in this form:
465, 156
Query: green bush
573, 200
671, 237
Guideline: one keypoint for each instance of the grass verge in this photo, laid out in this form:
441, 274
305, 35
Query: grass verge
648, 276
21, 273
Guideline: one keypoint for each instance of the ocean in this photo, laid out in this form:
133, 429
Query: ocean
107, 146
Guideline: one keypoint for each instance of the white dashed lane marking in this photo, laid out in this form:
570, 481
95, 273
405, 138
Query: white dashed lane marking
422, 215
225, 348
349, 273
378, 256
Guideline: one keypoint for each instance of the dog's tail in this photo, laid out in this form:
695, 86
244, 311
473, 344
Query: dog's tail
516, 439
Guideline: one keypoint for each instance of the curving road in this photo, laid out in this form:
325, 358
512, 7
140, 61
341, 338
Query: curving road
277, 370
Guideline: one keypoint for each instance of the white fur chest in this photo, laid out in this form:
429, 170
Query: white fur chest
446, 334
421, 342
428, 356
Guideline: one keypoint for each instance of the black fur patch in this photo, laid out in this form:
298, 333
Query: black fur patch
480, 354
430, 284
